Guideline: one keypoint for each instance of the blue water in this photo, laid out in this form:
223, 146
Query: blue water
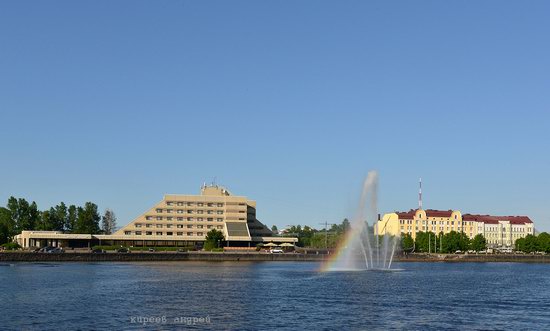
273, 296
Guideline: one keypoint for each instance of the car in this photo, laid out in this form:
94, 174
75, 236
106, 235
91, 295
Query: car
55, 250
151, 249
98, 251
123, 250
45, 249
276, 251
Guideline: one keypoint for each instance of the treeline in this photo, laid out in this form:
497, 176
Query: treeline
442, 243
531, 243
310, 237
20, 215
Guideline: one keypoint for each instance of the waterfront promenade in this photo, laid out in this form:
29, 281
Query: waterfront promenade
251, 256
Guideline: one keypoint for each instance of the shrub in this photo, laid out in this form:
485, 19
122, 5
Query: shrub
11, 246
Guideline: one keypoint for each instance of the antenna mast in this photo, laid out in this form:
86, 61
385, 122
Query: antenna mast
420, 194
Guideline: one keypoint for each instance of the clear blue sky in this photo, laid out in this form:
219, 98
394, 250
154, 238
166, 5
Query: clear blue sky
290, 103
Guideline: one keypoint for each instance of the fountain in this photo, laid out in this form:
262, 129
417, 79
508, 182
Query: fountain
362, 249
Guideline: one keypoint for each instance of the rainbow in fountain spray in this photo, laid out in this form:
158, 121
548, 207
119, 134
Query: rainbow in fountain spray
362, 249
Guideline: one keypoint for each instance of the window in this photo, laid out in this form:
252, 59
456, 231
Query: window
220, 219
148, 225
200, 226
180, 233
219, 226
169, 210
180, 226
210, 219
159, 233
138, 225
159, 210
159, 226
189, 233
200, 219
220, 204
190, 219
148, 218
180, 203
199, 233
127, 232
210, 204
209, 226
169, 233
169, 203
190, 226
189, 211
189, 203
179, 211
200, 211
210, 212
148, 233
138, 233
169, 218
159, 218
220, 212
200, 204
180, 218
169, 226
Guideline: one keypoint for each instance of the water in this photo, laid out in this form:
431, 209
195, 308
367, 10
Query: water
361, 250
274, 296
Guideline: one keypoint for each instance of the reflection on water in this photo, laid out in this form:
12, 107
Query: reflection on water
244, 296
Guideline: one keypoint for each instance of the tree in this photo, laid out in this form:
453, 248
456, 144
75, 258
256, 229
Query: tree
528, 244
6, 226
60, 212
479, 243
87, 220
455, 241
108, 223
407, 243
274, 229
70, 220
544, 242
214, 239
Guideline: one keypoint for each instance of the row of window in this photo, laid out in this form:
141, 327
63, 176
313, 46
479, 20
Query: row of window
435, 222
190, 219
200, 204
191, 211
159, 233
179, 226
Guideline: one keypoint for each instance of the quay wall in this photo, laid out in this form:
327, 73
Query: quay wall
250, 256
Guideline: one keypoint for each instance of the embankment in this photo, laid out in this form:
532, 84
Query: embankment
250, 256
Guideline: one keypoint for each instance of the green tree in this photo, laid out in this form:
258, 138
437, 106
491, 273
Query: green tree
528, 244
455, 241
70, 220
274, 229
6, 226
60, 212
544, 242
479, 243
214, 239
87, 219
108, 222
407, 243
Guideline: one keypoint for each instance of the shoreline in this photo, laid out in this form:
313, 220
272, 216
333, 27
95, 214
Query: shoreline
252, 256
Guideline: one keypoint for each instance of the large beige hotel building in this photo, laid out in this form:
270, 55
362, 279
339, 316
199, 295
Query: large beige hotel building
177, 220
499, 231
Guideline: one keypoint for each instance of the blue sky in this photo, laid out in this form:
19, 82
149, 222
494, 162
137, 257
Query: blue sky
288, 103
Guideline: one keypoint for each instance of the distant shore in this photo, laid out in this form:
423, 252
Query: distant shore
251, 256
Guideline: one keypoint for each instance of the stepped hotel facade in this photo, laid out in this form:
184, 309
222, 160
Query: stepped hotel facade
177, 220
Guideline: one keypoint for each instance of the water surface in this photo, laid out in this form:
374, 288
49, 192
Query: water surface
273, 295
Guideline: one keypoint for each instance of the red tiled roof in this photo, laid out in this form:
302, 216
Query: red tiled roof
438, 213
406, 215
494, 219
